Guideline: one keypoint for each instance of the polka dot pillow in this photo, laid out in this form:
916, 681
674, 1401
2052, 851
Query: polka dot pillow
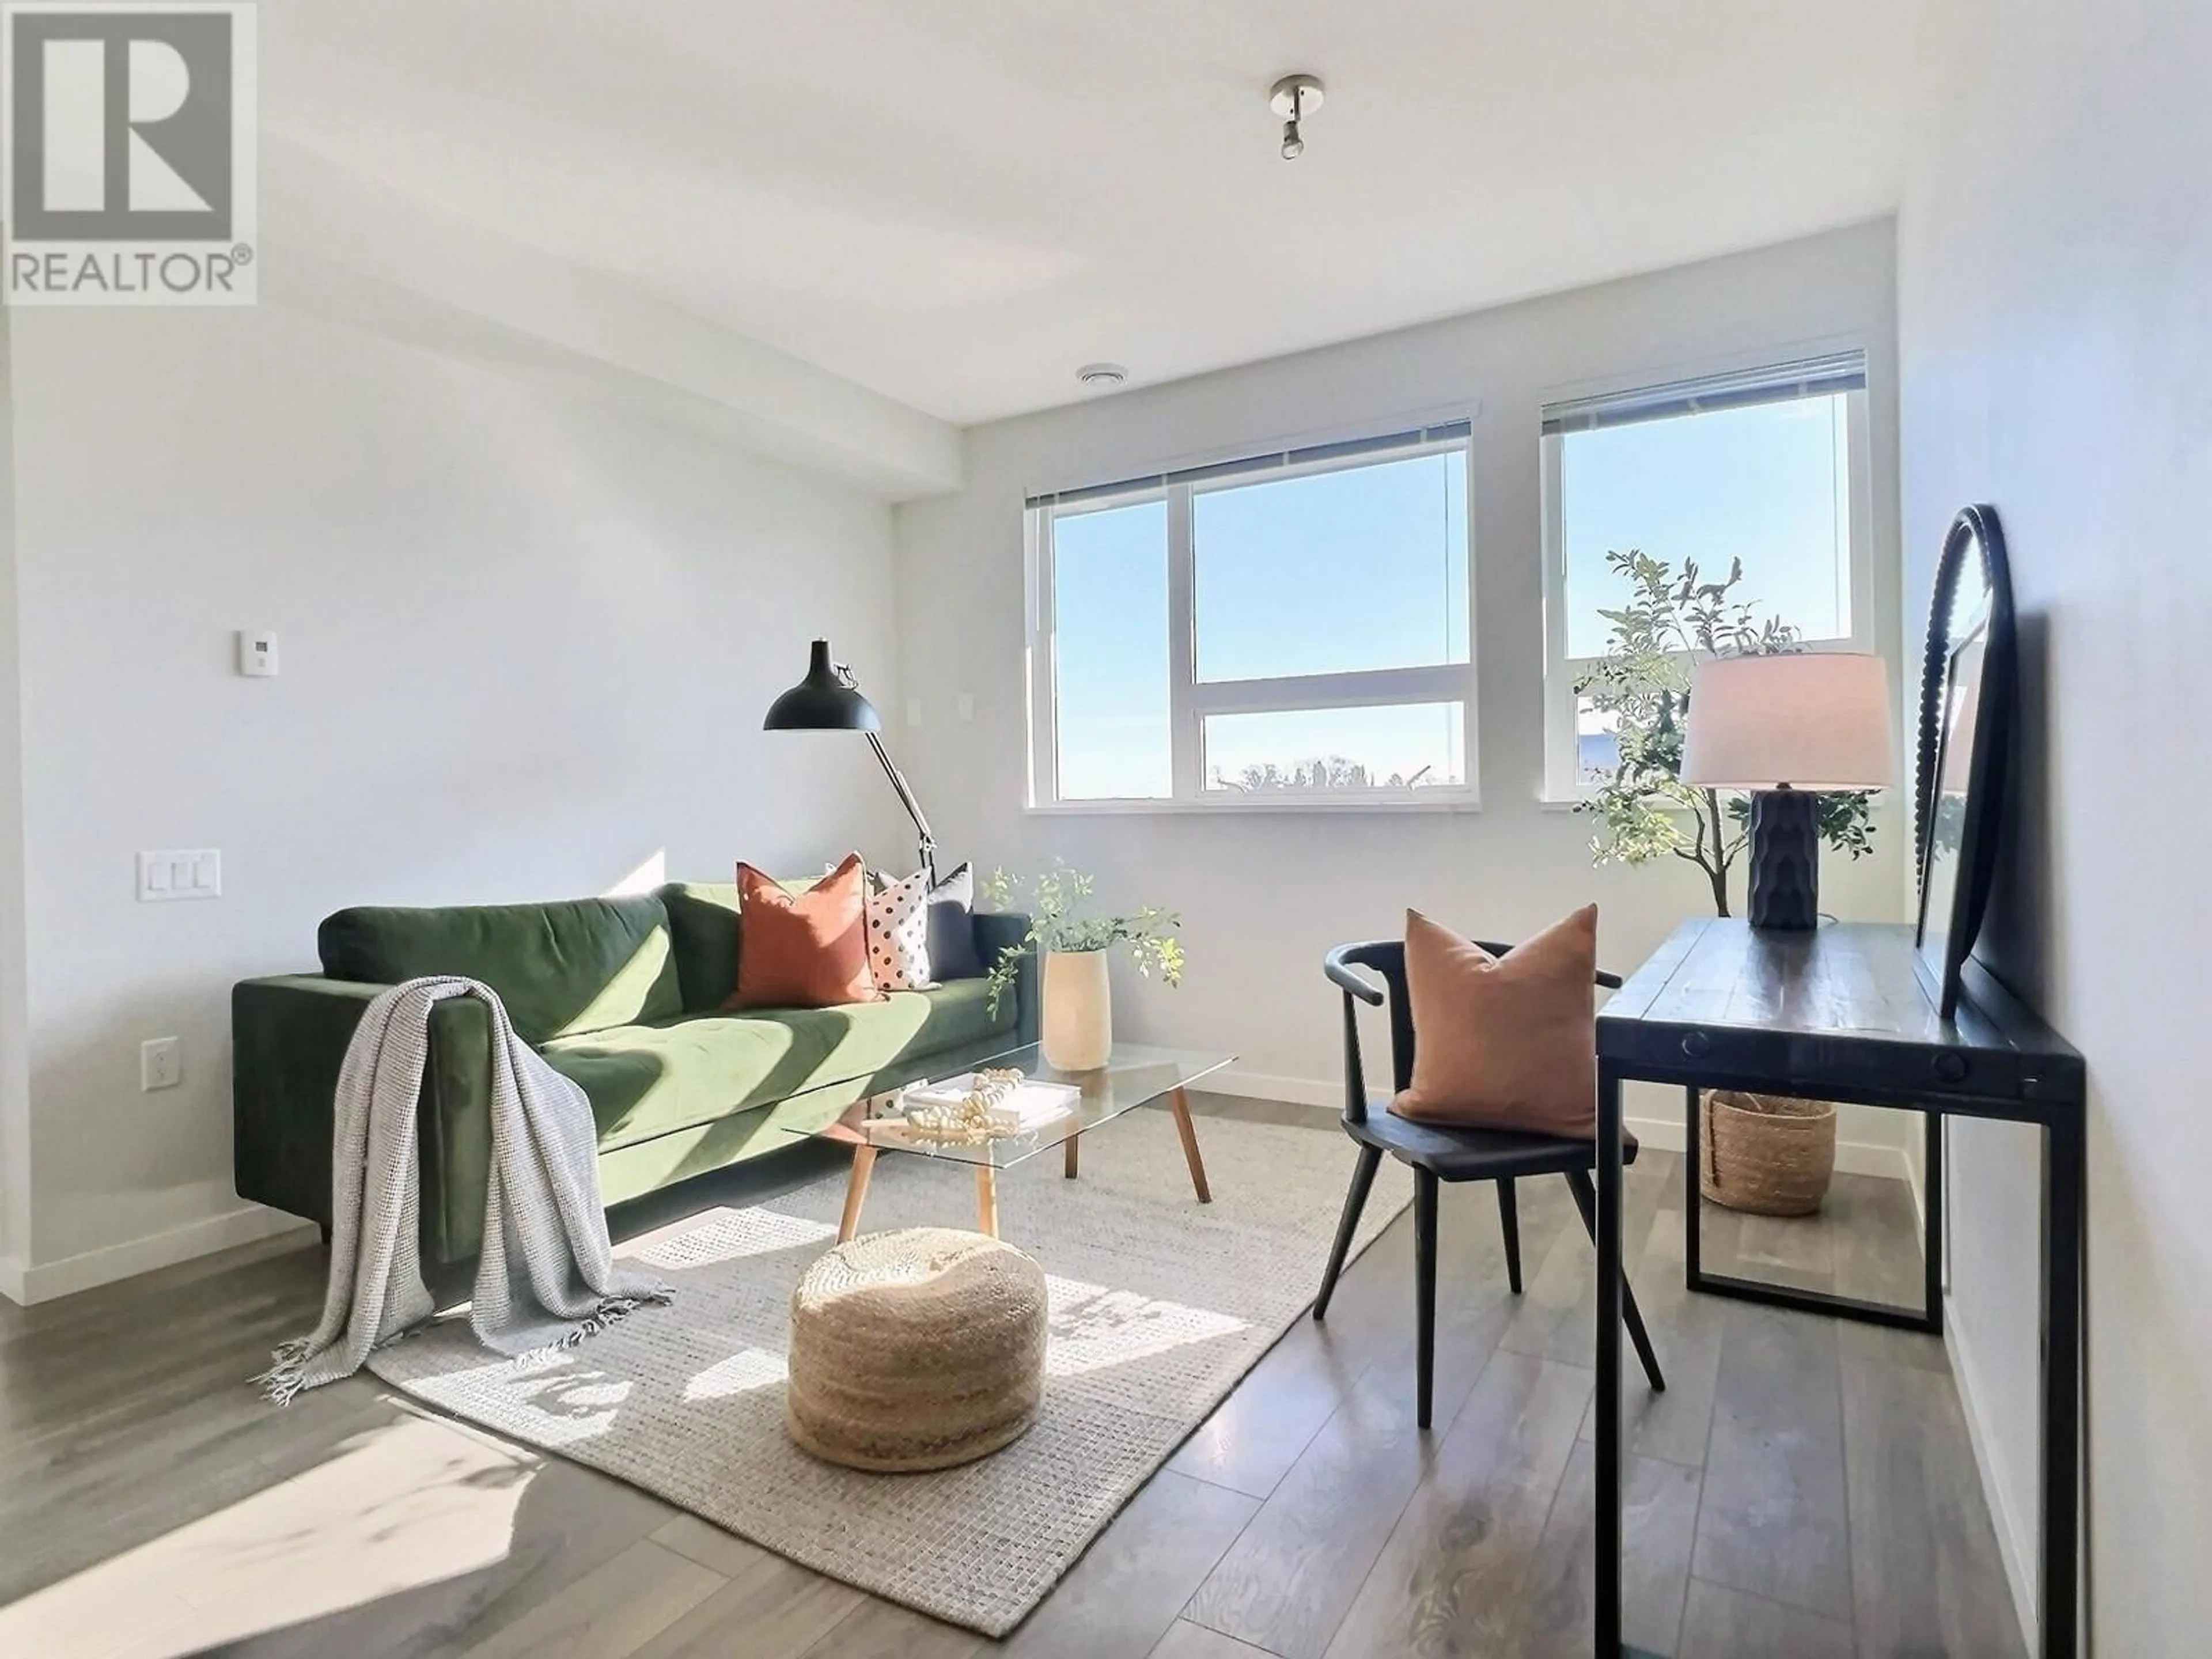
898, 934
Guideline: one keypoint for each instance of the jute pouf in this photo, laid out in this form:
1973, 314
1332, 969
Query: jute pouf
915, 1350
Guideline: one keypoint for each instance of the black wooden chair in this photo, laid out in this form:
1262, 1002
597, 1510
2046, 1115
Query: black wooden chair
1438, 1153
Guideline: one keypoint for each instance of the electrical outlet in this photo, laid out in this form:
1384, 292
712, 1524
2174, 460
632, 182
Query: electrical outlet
160, 1063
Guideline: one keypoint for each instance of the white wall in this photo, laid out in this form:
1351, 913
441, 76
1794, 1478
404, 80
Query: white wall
527, 638
1263, 894
2056, 317
14, 1029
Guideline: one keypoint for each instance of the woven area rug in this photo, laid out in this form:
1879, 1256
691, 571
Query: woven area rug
1159, 1305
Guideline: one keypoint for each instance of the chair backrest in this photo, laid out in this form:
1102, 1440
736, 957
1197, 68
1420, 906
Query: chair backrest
1387, 956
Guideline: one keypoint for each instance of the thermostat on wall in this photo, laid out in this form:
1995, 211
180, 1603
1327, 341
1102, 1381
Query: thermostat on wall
256, 653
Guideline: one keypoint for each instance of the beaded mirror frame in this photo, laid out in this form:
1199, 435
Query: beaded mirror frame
1969, 694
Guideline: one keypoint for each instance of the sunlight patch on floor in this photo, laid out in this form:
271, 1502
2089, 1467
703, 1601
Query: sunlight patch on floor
1094, 1327
570, 1401
741, 1373
699, 1244
395, 1509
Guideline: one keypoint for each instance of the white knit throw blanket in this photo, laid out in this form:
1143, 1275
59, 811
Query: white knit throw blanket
547, 1277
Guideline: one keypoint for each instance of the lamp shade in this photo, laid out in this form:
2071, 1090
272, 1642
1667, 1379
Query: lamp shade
823, 702
1810, 719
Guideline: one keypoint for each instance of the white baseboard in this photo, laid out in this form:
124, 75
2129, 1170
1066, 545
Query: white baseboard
1669, 1134
43, 1281
1665, 1134
2014, 1528
1259, 1085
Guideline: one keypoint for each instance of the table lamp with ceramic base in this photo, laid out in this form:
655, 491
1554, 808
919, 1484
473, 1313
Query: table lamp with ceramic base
1788, 728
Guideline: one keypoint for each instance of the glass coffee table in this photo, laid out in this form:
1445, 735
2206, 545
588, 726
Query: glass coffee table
1133, 1076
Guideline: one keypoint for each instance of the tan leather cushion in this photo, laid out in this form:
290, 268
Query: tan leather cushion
1505, 1043
802, 950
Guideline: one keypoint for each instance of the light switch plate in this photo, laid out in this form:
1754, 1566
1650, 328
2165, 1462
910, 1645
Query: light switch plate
190, 873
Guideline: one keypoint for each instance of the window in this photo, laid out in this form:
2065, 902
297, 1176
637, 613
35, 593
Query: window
1291, 630
1768, 467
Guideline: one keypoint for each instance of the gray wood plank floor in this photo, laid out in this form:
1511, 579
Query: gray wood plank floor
1802, 1488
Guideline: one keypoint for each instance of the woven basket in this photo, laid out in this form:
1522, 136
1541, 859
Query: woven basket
1768, 1154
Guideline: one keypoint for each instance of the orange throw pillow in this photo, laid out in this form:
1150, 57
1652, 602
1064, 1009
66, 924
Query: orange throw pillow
1505, 1043
803, 949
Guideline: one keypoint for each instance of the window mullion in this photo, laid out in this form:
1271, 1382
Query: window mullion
1043, 664
1560, 736
1184, 737
1372, 688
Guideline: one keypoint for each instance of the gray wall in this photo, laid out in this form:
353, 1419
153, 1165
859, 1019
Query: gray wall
2055, 317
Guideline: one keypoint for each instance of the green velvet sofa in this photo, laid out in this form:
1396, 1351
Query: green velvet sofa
625, 996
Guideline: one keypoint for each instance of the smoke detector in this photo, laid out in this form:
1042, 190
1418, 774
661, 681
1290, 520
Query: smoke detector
1295, 97
1102, 374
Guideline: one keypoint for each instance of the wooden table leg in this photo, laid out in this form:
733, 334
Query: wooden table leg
987, 1201
1180, 1108
856, 1191
1067, 1166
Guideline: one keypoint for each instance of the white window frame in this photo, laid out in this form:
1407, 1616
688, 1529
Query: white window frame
1563, 782
1190, 700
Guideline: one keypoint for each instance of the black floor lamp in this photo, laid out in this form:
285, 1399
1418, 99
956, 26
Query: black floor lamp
829, 699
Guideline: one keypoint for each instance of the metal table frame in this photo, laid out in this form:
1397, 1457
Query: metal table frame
1748, 1032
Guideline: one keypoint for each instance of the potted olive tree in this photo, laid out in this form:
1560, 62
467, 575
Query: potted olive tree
1641, 684
1763, 1153
1075, 942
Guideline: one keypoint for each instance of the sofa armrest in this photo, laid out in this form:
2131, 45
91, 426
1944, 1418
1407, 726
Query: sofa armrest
289, 1037
996, 932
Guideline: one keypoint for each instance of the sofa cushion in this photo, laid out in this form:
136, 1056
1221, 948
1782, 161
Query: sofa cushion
703, 928
702, 931
806, 949
952, 952
578, 965
651, 1080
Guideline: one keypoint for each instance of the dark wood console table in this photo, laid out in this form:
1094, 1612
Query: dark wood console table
1841, 1013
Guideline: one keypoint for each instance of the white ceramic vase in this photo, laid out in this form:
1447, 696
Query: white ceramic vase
1079, 1010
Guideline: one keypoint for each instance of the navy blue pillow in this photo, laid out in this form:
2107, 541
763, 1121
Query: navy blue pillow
952, 953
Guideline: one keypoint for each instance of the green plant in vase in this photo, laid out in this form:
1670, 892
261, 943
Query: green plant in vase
1075, 940
1643, 683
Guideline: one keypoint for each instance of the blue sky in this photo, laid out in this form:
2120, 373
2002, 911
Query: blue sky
1365, 568
1768, 484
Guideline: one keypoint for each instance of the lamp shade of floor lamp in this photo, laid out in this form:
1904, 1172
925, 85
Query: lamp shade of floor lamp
829, 699
1789, 727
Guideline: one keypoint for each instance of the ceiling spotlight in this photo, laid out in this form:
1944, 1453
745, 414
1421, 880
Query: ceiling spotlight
1293, 98
1102, 374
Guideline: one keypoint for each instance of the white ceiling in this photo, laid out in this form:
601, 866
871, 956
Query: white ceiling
956, 202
